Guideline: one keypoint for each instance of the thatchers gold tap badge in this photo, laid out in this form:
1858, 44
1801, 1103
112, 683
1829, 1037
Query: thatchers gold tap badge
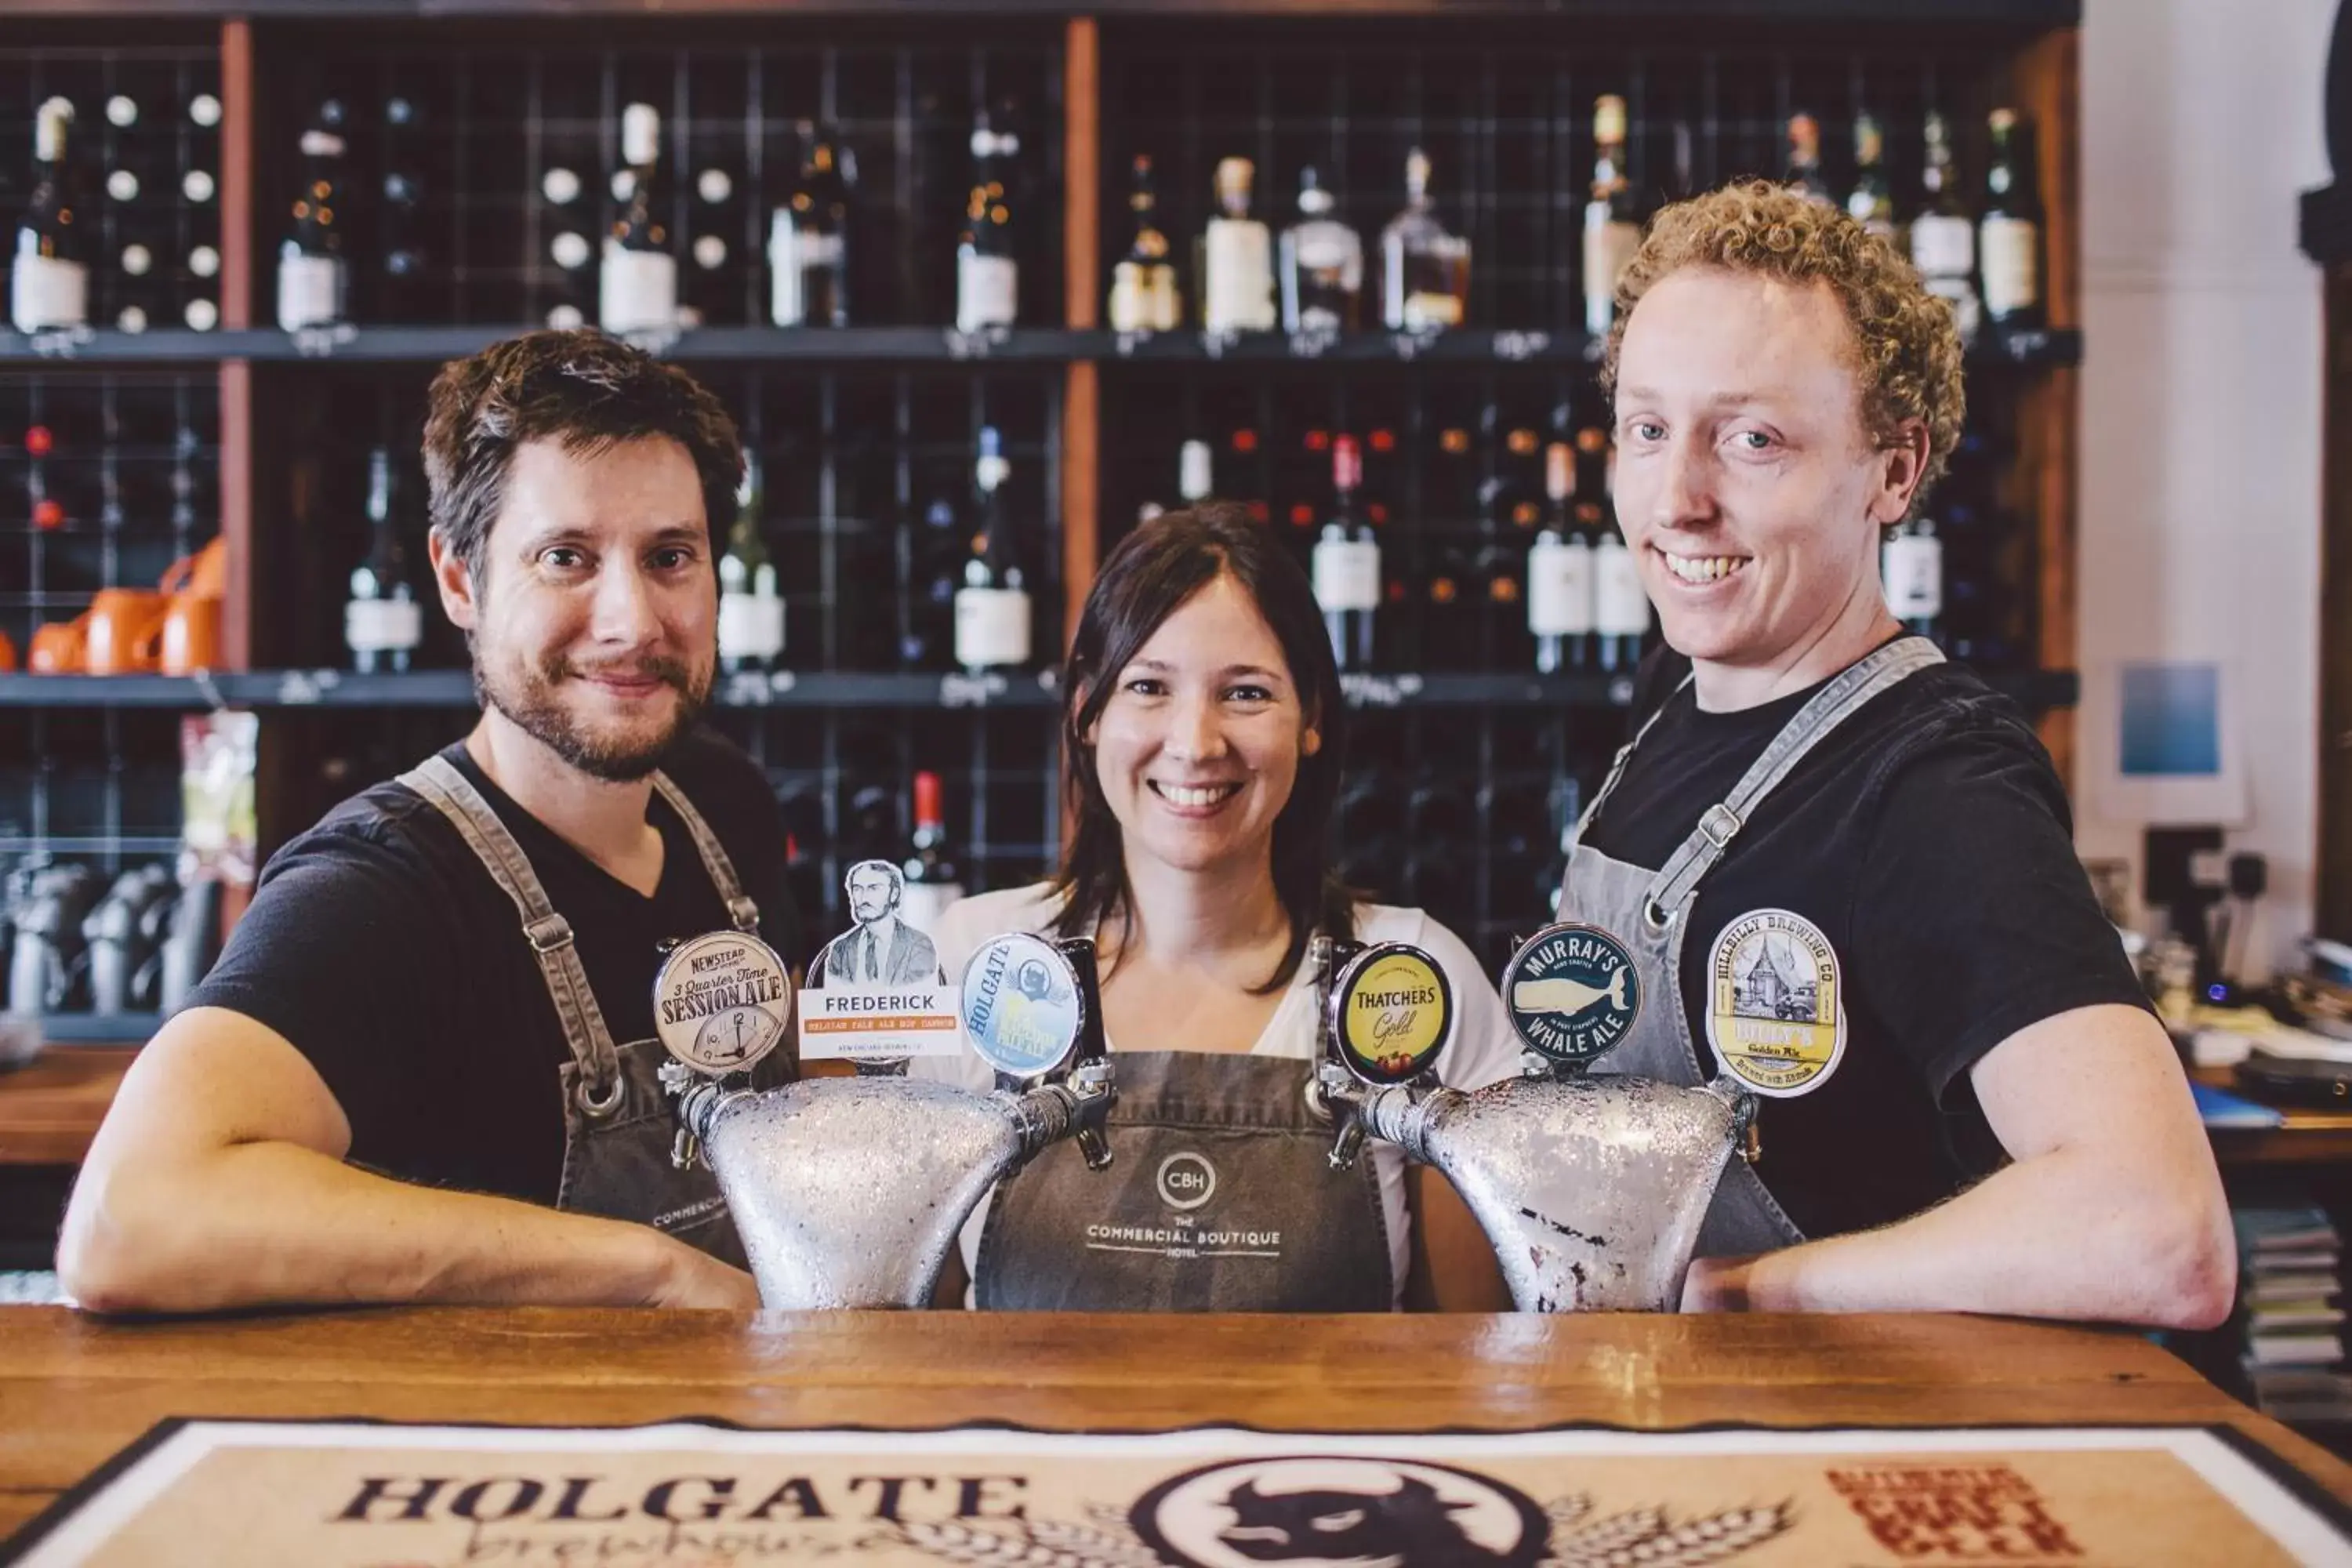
1775, 1003
1392, 1010
723, 1001
1572, 993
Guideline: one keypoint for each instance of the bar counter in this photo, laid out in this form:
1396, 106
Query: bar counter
76, 1390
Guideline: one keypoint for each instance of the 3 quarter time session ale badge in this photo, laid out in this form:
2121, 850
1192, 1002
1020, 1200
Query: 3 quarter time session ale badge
1573, 993
723, 1001
1775, 1004
1394, 1009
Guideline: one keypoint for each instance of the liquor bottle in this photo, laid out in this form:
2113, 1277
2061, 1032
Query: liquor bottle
637, 291
987, 272
932, 880
381, 620
1347, 563
1943, 235
1911, 565
48, 281
751, 608
1803, 176
992, 608
1871, 200
1236, 258
1322, 264
1561, 596
1424, 270
1143, 293
313, 281
2009, 234
1611, 233
808, 237
1620, 608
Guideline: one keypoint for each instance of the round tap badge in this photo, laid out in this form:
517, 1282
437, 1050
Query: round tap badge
1775, 1004
1391, 1013
1020, 1005
1572, 993
723, 1001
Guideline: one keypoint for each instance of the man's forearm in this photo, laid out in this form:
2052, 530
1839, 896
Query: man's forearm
2070, 1233
273, 1223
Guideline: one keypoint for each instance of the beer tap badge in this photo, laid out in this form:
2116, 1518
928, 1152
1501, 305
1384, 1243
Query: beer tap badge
1572, 993
1391, 1012
721, 1001
1021, 1006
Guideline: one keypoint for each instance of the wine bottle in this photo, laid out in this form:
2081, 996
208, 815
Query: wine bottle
1193, 482
1143, 293
1347, 563
1560, 597
1236, 258
932, 881
49, 276
1911, 565
381, 620
313, 281
992, 608
1621, 611
1943, 233
637, 291
931, 555
2009, 234
987, 274
809, 237
750, 607
1611, 233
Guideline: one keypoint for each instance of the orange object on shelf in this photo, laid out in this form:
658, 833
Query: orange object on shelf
125, 633
191, 619
8, 655
57, 648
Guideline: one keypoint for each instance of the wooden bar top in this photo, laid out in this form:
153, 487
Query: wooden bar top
73, 1389
50, 1107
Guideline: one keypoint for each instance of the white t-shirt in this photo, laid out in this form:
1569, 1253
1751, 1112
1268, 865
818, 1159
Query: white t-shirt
1483, 1048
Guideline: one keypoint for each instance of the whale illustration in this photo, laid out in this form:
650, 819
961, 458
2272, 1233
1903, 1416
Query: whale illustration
1568, 996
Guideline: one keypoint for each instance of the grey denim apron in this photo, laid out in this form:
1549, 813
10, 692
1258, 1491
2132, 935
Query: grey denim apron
1648, 911
617, 1129
1220, 1198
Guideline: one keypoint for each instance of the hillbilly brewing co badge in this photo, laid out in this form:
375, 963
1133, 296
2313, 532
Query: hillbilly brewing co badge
1390, 1011
1775, 1003
721, 1001
1572, 993
1021, 1006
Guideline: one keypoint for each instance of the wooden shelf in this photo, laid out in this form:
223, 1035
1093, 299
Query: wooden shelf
2021, 13
2308, 1136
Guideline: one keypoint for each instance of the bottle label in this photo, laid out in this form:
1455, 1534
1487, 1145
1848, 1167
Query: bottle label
1943, 246
1240, 288
1621, 607
310, 292
1429, 308
2011, 280
45, 292
383, 625
1143, 298
991, 627
1348, 574
750, 626
988, 292
637, 291
1912, 567
1560, 588
1609, 248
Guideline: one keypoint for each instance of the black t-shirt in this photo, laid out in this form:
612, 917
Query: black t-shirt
1929, 840
378, 944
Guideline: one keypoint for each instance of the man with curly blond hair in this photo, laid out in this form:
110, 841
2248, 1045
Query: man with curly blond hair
1841, 868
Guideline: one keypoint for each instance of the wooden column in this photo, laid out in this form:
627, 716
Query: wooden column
1081, 256
237, 248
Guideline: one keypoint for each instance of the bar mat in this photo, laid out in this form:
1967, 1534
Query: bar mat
357, 1494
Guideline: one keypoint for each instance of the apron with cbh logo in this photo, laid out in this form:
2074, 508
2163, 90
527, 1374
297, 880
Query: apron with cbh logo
1220, 1198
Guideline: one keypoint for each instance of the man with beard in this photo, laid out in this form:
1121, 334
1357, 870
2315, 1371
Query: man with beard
424, 1068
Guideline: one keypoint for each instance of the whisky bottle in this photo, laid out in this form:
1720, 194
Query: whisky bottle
1143, 293
637, 290
1321, 263
2009, 234
1424, 269
1611, 233
1237, 259
988, 273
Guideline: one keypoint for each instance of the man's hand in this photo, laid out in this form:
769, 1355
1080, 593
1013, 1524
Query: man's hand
692, 1278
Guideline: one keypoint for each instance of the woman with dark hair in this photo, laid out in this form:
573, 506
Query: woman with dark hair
1201, 729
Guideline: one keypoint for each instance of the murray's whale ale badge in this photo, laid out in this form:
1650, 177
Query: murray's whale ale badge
1021, 1010
721, 1001
1775, 1003
1572, 993
1391, 1012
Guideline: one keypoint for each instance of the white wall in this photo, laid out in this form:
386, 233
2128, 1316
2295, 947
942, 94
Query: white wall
2200, 389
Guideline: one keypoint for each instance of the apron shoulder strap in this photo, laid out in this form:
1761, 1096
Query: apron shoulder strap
741, 909
448, 791
1832, 706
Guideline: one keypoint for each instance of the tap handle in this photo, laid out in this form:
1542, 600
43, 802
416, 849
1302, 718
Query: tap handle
1092, 1046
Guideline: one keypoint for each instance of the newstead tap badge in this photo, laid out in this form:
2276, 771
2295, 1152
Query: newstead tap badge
1572, 993
721, 1001
1391, 1012
1021, 1008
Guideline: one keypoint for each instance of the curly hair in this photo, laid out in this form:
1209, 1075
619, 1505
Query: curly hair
580, 388
1908, 346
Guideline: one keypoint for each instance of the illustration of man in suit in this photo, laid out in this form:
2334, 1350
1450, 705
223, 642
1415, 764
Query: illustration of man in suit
881, 949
